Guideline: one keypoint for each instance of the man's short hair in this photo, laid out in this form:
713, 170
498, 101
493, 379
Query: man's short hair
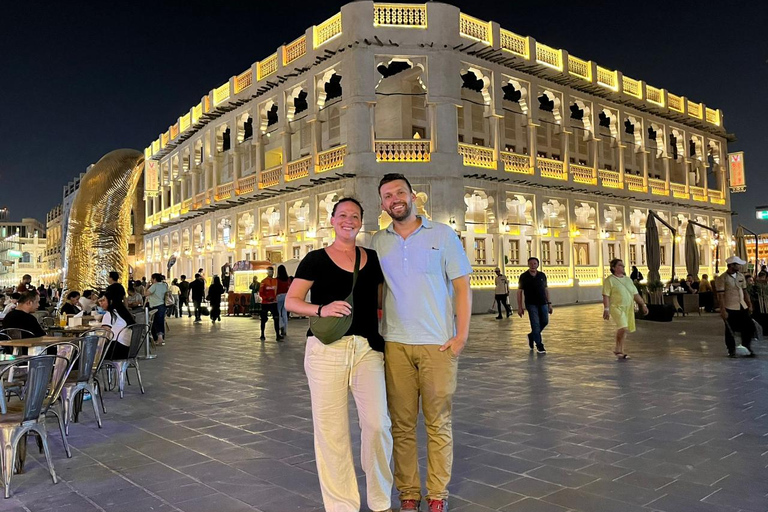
115, 276
73, 294
197, 276
87, 293
183, 276
394, 176
27, 297
534, 258
16, 295
25, 277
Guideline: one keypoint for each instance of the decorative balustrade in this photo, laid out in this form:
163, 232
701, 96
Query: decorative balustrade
474, 28
554, 169
674, 102
610, 179
482, 276
400, 15
186, 205
515, 44
583, 174
694, 109
716, 196
246, 185
327, 30
221, 94
270, 177
402, 150
635, 183
294, 50
156, 146
698, 193
580, 68
298, 169
184, 122
199, 201
607, 78
197, 112
588, 275
654, 95
164, 139
631, 87
243, 81
175, 130
175, 210
516, 163
477, 156
558, 275
266, 67
513, 273
331, 159
658, 187
224, 191
678, 190
713, 116
548, 56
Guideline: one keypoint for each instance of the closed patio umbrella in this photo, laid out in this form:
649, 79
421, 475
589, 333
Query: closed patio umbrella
741, 246
691, 252
652, 250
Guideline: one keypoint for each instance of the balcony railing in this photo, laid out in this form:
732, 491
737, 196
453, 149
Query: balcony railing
694, 109
558, 275
554, 169
588, 275
327, 30
331, 159
224, 191
634, 183
246, 185
515, 44
199, 201
658, 187
675, 102
221, 94
294, 50
607, 78
267, 66
610, 179
713, 116
716, 196
516, 163
270, 177
483, 276
186, 205
176, 210
548, 56
474, 28
698, 194
477, 156
678, 190
631, 87
243, 81
402, 150
580, 68
583, 174
654, 95
400, 15
298, 169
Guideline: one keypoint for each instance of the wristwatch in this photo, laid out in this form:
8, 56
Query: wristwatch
319, 309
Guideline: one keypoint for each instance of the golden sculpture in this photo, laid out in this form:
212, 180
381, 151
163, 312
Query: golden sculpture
100, 221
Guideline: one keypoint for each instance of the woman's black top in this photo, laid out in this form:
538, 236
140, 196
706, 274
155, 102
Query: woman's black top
69, 309
331, 283
215, 292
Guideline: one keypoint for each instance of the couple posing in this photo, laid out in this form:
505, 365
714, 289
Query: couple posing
425, 270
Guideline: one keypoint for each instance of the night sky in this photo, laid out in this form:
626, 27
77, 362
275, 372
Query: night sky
80, 79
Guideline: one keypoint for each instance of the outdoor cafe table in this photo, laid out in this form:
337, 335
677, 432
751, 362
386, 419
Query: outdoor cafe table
70, 331
35, 345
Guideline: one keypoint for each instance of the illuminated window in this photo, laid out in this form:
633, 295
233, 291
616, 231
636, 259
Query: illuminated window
514, 252
545, 252
633, 255
296, 252
334, 124
560, 253
611, 252
663, 255
480, 251
529, 248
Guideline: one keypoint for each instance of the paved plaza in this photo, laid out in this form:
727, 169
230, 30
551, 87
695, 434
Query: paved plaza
225, 425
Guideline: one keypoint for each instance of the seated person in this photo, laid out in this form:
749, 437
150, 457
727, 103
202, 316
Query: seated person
72, 304
87, 302
22, 318
707, 297
116, 318
685, 284
134, 299
10, 305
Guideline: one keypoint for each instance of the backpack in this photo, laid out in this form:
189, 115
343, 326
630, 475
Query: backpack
169, 298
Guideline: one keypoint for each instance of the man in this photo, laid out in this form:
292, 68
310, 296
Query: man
115, 290
184, 295
424, 266
22, 318
197, 289
705, 294
26, 284
87, 302
268, 294
502, 293
735, 306
533, 284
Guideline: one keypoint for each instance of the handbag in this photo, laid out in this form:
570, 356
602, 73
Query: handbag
331, 328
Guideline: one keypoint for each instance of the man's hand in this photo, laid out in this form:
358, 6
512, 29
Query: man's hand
723, 314
455, 345
520, 311
549, 307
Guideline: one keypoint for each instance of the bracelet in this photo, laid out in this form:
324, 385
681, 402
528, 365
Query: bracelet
319, 309
606, 309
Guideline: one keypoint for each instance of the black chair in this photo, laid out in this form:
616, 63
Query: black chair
121, 366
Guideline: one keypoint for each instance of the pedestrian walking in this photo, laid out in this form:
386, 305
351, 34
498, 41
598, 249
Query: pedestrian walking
184, 295
283, 283
619, 297
268, 294
197, 291
215, 291
156, 297
532, 286
502, 293
175, 294
735, 305
255, 306
427, 278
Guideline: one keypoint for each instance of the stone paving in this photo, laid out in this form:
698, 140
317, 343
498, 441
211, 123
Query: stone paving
226, 426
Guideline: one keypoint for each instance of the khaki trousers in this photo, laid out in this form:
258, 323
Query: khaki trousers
415, 371
349, 364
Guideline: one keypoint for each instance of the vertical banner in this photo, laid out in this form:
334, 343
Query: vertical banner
151, 175
736, 177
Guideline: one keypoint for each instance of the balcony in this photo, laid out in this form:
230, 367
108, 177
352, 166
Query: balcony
176, 210
513, 162
331, 159
635, 183
294, 50
270, 177
400, 15
678, 190
716, 196
298, 169
246, 185
185, 206
588, 276
658, 187
583, 174
402, 150
698, 193
553, 169
474, 28
199, 201
477, 156
224, 191
610, 179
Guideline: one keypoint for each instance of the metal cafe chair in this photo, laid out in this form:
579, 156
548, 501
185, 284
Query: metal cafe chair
68, 354
17, 334
26, 417
48, 322
83, 381
121, 366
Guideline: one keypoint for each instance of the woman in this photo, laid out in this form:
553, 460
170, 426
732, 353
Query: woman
618, 294
215, 292
355, 362
283, 283
156, 296
133, 298
255, 307
175, 292
72, 305
116, 318
758, 294
636, 276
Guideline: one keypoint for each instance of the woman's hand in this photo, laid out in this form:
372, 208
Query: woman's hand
606, 314
337, 308
645, 310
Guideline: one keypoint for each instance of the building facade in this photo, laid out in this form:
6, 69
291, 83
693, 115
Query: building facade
523, 149
53, 258
22, 251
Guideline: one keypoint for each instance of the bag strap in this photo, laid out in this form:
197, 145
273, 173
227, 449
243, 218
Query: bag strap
357, 268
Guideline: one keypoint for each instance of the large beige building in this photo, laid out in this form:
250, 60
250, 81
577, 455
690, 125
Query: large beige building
22, 251
522, 148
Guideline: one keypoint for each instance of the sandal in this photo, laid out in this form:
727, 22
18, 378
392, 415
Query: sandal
621, 355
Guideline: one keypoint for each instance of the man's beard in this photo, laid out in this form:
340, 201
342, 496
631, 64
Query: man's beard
406, 212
